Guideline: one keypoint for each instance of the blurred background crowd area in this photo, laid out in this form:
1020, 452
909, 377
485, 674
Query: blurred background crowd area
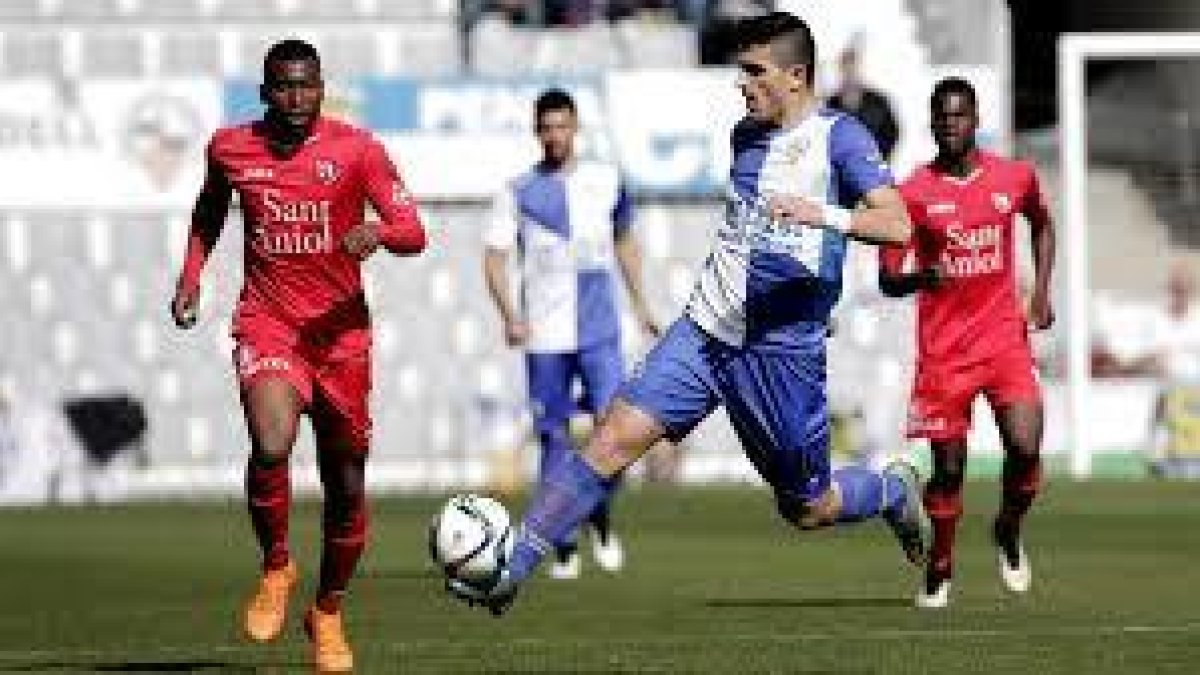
105, 106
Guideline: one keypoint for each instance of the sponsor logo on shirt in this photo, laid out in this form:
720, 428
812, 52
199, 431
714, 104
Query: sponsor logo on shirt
294, 226
972, 252
941, 208
749, 226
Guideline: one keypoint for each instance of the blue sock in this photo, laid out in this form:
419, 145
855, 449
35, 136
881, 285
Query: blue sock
567, 493
556, 447
867, 493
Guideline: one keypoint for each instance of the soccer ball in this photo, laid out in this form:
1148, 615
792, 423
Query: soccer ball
471, 539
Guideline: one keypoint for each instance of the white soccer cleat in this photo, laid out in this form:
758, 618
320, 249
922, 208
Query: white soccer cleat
609, 554
938, 599
1016, 579
566, 570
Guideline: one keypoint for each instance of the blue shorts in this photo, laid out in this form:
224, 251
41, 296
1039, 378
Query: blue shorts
775, 400
550, 376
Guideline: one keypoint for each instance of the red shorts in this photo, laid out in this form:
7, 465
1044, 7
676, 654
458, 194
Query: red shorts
943, 394
341, 378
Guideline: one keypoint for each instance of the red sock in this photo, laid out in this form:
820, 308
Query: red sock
344, 539
1021, 481
268, 492
945, 508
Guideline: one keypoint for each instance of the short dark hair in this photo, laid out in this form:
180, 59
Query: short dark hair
552, 99
790, 38
291, 49
953, 85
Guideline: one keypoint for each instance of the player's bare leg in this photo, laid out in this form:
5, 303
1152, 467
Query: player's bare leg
943, 502
341, 459
1021, 432
272, 408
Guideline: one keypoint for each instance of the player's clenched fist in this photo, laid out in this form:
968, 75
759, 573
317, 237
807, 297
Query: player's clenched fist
516, 333
793, 208
183, 307
1041, 311
362, 240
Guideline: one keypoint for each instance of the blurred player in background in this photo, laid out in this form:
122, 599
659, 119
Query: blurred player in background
302, 325
570, 222
972, 328
868, 105
753, 334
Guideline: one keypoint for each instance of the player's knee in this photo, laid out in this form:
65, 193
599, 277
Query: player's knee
271, 451
948, 473
272, 439
806, 515
607, 452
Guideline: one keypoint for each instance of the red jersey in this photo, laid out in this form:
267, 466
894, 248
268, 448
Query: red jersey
966, 227
296, 210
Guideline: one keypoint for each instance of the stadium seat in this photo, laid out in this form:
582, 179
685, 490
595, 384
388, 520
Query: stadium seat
342, 10
348, 54
32, 53
22, 10
416, 9
112, 54
248, 9
190, 53
173, 9
91, 10
425, 48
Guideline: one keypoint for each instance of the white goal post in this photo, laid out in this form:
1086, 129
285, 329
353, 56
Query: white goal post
1074, 52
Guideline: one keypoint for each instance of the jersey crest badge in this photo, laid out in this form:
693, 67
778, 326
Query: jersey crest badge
1001, 201
793, 152
327, 171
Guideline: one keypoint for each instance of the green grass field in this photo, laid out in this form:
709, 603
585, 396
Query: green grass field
716, 583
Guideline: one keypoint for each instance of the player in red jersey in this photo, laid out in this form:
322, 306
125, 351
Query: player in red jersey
302, 326
972, 328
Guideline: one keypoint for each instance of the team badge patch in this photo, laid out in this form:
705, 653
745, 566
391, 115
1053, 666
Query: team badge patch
1001, 201
327, 171
794, 152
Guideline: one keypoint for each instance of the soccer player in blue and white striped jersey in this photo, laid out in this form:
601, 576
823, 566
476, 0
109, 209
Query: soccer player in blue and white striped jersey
569, 222
752, 337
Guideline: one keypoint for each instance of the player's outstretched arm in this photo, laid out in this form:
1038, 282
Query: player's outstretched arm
208, 219
882, 220
399, 229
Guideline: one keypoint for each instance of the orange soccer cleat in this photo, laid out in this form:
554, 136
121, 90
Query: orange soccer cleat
267, 608
331, 651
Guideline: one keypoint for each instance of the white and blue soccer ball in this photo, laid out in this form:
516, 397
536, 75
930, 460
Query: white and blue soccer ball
471, 539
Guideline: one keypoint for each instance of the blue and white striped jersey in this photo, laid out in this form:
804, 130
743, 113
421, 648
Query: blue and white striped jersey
766, 285
563, 225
